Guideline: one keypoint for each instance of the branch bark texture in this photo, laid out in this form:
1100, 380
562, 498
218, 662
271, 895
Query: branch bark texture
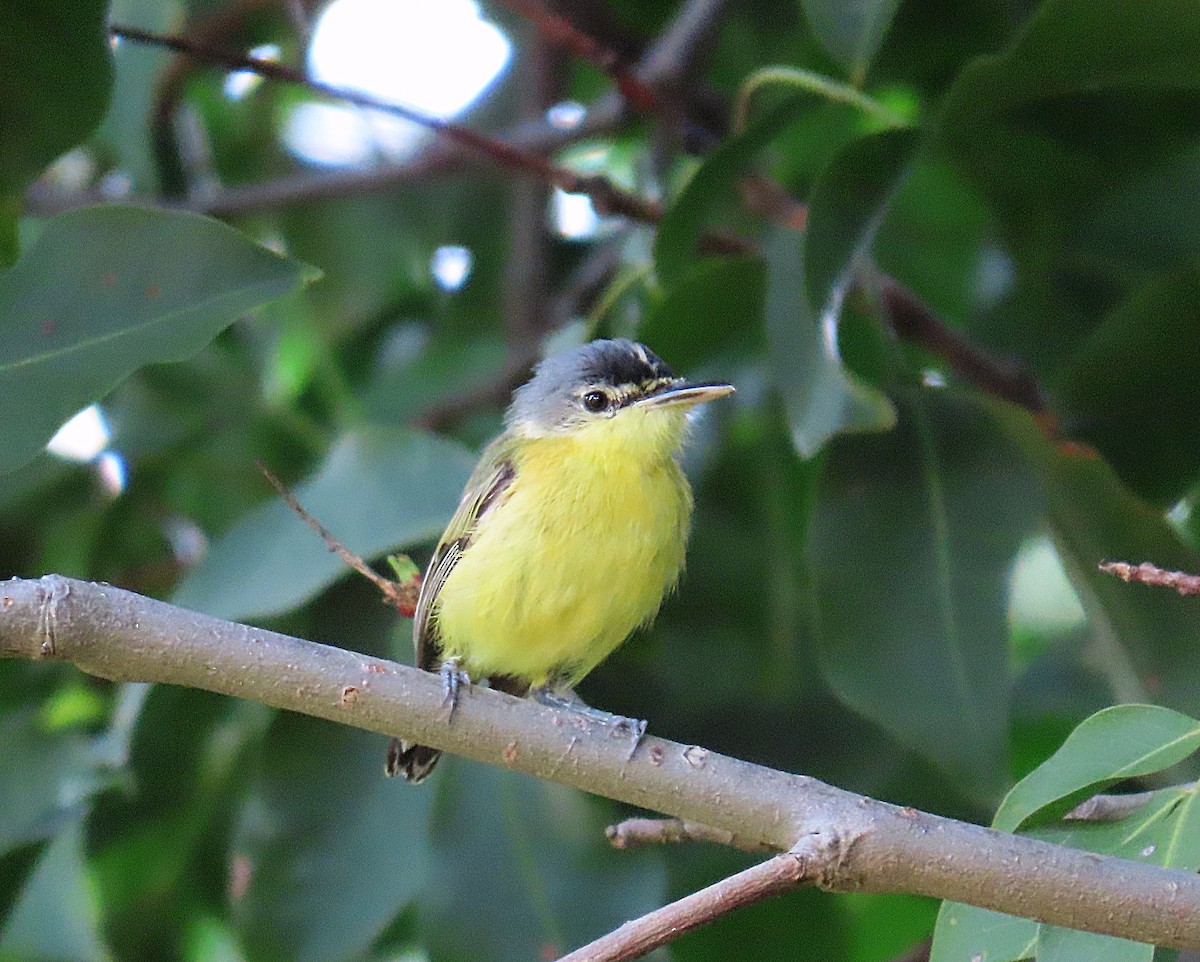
851, 842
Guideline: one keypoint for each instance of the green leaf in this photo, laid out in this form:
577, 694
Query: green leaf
714, 308
1069, 945
681, 227
911, 543
1123, 387
56, 74
332, 849
107, 290
521, 869
45, 780
821, 397
379, 489
55, 916
1141, 639
964, 932
1085, 93
851, 30
847, 206
1123, 741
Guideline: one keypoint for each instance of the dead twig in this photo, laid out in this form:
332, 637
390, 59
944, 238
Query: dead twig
636, 832
401, 595
1151, 574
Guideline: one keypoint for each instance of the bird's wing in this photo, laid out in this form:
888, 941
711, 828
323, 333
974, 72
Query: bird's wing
486, 489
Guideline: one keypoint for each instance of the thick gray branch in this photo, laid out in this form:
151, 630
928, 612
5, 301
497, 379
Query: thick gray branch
874, 846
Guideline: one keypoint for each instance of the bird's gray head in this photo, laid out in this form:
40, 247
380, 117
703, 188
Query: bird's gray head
586, 383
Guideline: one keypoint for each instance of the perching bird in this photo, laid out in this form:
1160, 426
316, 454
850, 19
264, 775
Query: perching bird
569, 533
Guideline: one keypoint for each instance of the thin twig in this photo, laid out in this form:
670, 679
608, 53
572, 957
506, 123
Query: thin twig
777, 875
636, 832
1151, 574
1108, 808
400, 595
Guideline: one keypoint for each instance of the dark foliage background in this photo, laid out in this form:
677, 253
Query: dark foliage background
892, 579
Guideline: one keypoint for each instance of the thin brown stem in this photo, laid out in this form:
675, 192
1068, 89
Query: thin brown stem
775, 876
400, 595
1151, 574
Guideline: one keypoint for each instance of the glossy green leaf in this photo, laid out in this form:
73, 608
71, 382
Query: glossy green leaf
847, 206
913, 535
1123, 741
851, 30
55, 916
107, 290
679, 233
332, 849
964, 933
1124, 385
821, 397
379, 489
56, 74
521, 869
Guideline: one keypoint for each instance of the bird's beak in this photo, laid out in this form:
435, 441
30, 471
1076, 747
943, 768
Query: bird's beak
686, 395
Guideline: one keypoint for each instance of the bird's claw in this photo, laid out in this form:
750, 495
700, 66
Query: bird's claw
454, 679
569, 701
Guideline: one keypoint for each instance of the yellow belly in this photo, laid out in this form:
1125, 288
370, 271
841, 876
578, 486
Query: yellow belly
581, 552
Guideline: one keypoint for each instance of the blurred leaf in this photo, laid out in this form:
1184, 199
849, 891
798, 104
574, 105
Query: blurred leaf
56, 74
712, 184
715, 308
911, 543
107, 290
55, 917
965, 932
821, 398
521, 869
1142, 639
45, 780
847, 206
1123, 741
1131, 386
1085, 94
331, 849
851, 30
379, 489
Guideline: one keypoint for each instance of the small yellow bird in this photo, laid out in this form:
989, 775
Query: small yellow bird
569, 534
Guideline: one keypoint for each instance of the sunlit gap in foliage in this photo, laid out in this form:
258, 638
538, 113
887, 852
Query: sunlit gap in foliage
451, 266
84, 439
566, 115
1042, 604
242, 82
572, 215
437, 57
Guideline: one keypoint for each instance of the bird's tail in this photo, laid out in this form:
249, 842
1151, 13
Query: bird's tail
414, 762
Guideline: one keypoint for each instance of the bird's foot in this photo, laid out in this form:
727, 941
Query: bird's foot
567, 700
453, 680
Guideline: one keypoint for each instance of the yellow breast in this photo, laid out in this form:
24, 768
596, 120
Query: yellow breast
590, 537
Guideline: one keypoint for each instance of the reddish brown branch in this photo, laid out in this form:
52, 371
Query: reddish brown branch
775, 876
915, 322
1149, 574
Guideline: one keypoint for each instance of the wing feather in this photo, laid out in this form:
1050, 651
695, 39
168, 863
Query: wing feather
484, 491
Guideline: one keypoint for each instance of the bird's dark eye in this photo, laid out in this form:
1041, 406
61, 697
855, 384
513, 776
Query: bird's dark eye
595, 401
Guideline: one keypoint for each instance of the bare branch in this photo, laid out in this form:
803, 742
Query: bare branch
802, 866
400, 595
1108, 808
915, 322
1151, 574
636, 832
118, 635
